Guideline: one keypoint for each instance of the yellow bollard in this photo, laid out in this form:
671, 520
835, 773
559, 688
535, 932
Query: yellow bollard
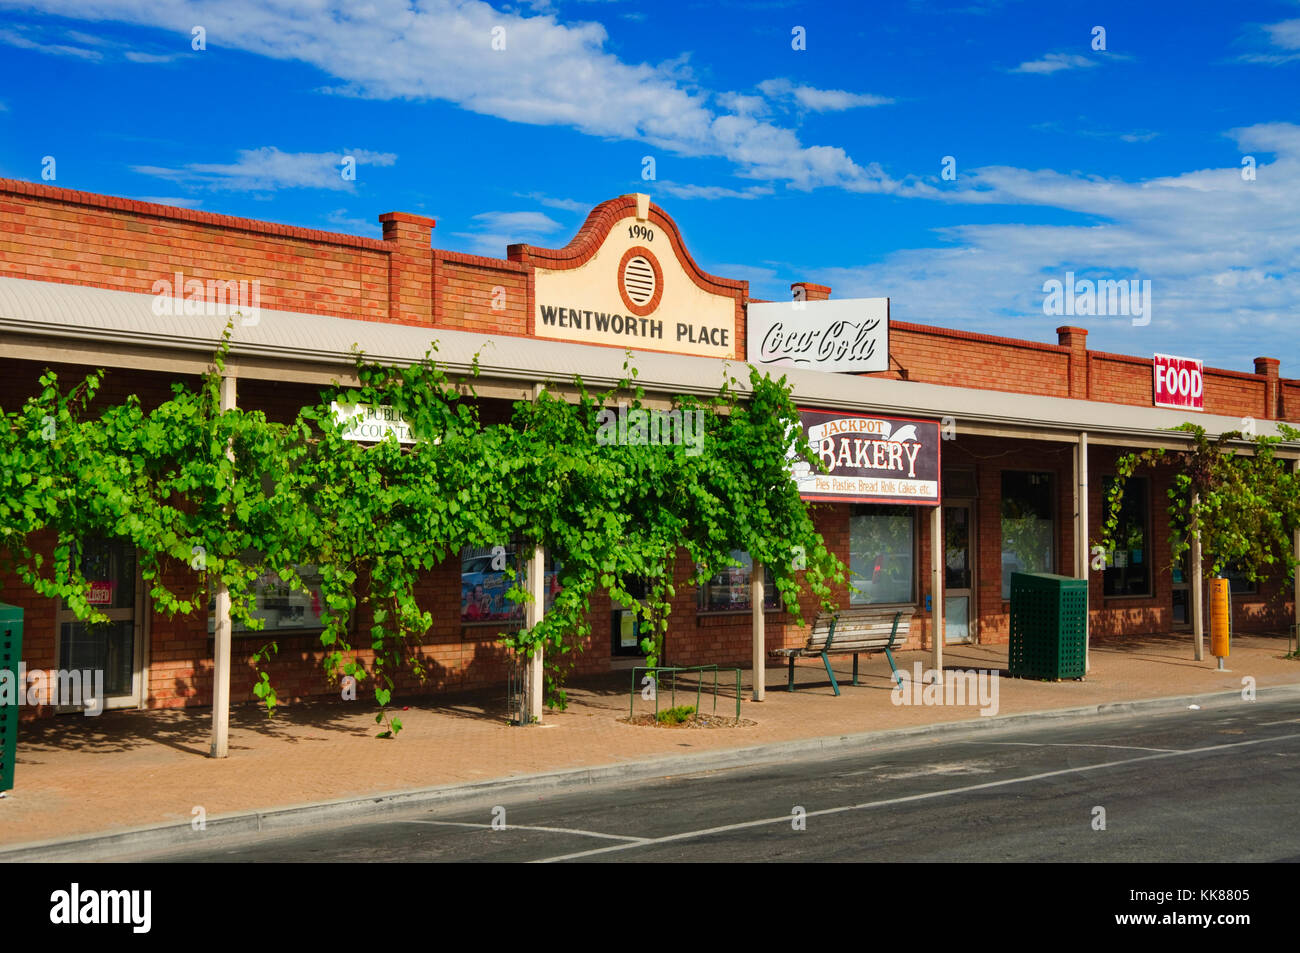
1220, 619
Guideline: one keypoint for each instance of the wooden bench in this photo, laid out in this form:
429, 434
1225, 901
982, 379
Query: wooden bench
849, 632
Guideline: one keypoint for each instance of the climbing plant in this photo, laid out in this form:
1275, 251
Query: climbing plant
212, 497
1245, 506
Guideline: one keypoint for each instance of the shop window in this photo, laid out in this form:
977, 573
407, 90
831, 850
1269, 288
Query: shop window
729, 590
280, 607
882, 548
959, 483
1128, 565
484, 582
1028, 530
1238, 583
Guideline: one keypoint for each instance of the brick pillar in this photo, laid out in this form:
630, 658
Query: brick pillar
1268, 367
410, 267
811, 292
1076, 339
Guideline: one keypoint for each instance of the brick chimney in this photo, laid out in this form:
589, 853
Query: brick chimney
410, 267
1267, 367
1076, 339
809, 292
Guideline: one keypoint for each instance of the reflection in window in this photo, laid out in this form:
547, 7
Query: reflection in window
881, 548
729, 590
484, 582
1128, 565
279, 606
1238, 582
1028, 538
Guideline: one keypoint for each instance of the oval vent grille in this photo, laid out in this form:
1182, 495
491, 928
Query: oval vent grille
639, 280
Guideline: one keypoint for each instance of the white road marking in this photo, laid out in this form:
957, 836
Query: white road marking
785, 818
1288, 721
526, 827
1065, 744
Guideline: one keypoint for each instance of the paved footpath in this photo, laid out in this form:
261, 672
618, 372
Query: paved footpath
124, 770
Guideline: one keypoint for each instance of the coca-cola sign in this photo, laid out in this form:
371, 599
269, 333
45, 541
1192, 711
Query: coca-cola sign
846, 335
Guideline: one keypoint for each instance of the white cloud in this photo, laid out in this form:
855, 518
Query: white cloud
170, 200
137, 57
565, 205
531, 222
819, 100
1053, 62
23, 42
267, 168
1284, 35
711, 192
550, 73
742, 104
341, 218
493, 231
1222, 253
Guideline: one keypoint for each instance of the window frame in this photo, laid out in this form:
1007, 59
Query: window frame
236, 632
1148, 538
915, 588
1053, 509
770, 593
521, 572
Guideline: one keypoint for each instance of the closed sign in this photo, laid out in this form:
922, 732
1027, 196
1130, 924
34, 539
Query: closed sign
1179, 382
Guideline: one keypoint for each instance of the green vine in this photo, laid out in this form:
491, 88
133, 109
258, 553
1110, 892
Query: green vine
1245, 506
215, 498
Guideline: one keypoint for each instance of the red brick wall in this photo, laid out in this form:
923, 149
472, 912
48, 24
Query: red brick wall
55, 234
940, 356
52, 234
1125, 379
482, 294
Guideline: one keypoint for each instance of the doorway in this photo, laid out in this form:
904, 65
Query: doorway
1180, 588
115, 647
959, 622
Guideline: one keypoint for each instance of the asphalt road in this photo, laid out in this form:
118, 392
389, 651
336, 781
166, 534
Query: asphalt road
1212, 785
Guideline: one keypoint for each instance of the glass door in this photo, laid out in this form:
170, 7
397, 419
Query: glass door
1182, 594
110, 651
959, 575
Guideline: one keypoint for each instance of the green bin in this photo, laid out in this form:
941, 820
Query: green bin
1049, 626
11, 651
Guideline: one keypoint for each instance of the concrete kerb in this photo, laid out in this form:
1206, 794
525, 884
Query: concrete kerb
150, 839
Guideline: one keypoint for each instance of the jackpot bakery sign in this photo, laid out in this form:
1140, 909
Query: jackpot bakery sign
870, 459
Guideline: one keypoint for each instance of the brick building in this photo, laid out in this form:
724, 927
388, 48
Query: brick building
79, 288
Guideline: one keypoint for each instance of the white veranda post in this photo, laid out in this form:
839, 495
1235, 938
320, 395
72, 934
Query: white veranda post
534, 685
936, 591
222, 627
760, 646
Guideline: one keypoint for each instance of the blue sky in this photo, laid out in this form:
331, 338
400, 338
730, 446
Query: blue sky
820, 164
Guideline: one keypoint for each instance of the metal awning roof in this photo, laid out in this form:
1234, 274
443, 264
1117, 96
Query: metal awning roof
64, 323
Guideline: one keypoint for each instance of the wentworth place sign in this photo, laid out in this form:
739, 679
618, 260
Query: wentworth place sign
637, 289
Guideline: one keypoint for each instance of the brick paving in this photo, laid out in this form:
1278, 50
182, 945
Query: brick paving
78, 775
